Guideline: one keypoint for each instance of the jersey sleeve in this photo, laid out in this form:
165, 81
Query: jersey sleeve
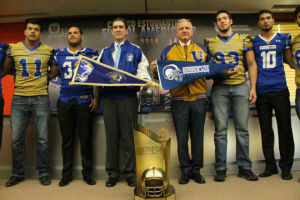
95, 54
9, 50
247, 43
288, 42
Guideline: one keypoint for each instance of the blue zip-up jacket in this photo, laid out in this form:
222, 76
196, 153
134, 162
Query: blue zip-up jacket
131, 56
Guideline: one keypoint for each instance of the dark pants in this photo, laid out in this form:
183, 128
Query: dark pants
279, 101
1, 118
119, 117
189, 117
72, 115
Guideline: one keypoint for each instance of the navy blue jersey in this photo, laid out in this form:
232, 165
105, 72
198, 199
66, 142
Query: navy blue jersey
65, 59
269, 60
3, 47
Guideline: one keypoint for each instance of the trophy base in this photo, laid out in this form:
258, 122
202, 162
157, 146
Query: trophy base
170, 196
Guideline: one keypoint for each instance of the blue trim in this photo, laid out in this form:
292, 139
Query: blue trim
31, 49
226, 40
202, 47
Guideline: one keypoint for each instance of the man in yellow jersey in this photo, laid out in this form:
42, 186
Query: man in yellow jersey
296, 53
30, 59
188, 103
232, 95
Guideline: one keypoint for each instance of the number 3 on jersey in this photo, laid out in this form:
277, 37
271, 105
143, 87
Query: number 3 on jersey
67, 67
25, 73
269, 59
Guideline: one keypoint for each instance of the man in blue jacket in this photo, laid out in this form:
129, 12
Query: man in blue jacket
120, 104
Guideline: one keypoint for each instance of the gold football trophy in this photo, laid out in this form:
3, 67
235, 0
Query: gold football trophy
153, 165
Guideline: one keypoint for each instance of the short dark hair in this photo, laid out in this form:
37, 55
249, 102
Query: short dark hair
33, 21
297, 10
71, 26
120, 19
223, 11
264, 11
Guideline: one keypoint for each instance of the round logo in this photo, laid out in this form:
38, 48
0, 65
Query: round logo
54, 28
172, 72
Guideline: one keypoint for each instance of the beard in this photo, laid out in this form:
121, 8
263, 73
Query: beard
75, 44
266, 29
224, 30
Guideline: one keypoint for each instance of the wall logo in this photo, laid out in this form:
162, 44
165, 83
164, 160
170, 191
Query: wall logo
54, 28
84, 70
172, 72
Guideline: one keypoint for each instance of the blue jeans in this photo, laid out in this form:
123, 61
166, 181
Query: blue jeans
234, 98
298, 102
22, 108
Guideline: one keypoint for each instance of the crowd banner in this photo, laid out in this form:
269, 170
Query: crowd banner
91, 72
173, 74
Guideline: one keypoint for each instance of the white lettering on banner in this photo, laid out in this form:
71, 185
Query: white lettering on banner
195, 69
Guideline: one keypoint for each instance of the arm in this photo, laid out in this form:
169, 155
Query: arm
288, 58
7, 66
142, 68
54, 71
252, 69
95, 102
153, 67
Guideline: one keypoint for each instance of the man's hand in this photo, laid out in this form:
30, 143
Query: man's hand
252, 96
94, 104
233, 71
153, 66
147, 85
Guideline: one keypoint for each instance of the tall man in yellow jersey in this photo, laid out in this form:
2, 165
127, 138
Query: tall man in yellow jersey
188, 103
232, 94
296, 53
30, 59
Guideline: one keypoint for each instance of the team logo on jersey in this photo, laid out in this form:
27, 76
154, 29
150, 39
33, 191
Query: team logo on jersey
84, 70
54, 28
197, 55
129, 57
172, 72
115, 77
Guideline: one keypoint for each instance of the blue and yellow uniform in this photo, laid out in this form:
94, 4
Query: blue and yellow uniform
296, 53
66, 60
230, 51
231, 93
31, 67
194, 52
269, 60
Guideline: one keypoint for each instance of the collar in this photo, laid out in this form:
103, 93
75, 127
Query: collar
182, 44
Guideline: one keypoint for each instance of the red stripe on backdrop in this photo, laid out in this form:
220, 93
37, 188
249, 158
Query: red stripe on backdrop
10, 33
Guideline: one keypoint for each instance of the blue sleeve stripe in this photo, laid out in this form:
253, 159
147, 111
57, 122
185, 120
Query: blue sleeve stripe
166, 51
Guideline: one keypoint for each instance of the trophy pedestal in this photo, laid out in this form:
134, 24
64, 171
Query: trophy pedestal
170, 196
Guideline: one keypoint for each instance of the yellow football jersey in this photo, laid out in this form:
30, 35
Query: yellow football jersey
31, 67
230, 51
296, 53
